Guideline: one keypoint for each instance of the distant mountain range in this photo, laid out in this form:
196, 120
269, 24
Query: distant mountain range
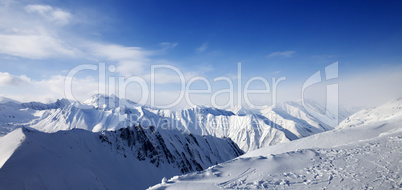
249, 129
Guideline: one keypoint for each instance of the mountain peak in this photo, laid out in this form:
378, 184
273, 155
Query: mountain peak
209, 110
103, 101
241, 110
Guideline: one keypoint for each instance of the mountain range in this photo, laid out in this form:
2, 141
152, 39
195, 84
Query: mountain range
249, 129
111, 143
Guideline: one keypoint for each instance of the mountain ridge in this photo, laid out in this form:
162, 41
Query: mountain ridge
250, 129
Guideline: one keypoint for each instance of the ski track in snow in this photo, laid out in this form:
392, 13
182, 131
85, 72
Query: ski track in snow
373, 164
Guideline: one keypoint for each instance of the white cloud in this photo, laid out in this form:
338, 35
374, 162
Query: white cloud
117, 52
164, 78
24, 89
131, 60
48, 90
281, 54
52, 14
29, 31
130, 67
202, 48
26, 32
167, 45
41, 9
34, 46
6, 79
39, 32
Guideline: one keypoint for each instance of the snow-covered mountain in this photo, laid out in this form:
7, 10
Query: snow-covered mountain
249, 129
130, 158
100, 149
366, 156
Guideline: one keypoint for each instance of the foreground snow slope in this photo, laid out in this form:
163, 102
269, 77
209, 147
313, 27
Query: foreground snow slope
365, 156
250, 130
130, 158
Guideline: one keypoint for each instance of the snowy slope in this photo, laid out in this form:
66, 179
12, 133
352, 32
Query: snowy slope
130, 158
250, 129
387, 111
9, 144
363, 157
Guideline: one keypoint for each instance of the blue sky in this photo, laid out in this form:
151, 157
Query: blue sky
40, 41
